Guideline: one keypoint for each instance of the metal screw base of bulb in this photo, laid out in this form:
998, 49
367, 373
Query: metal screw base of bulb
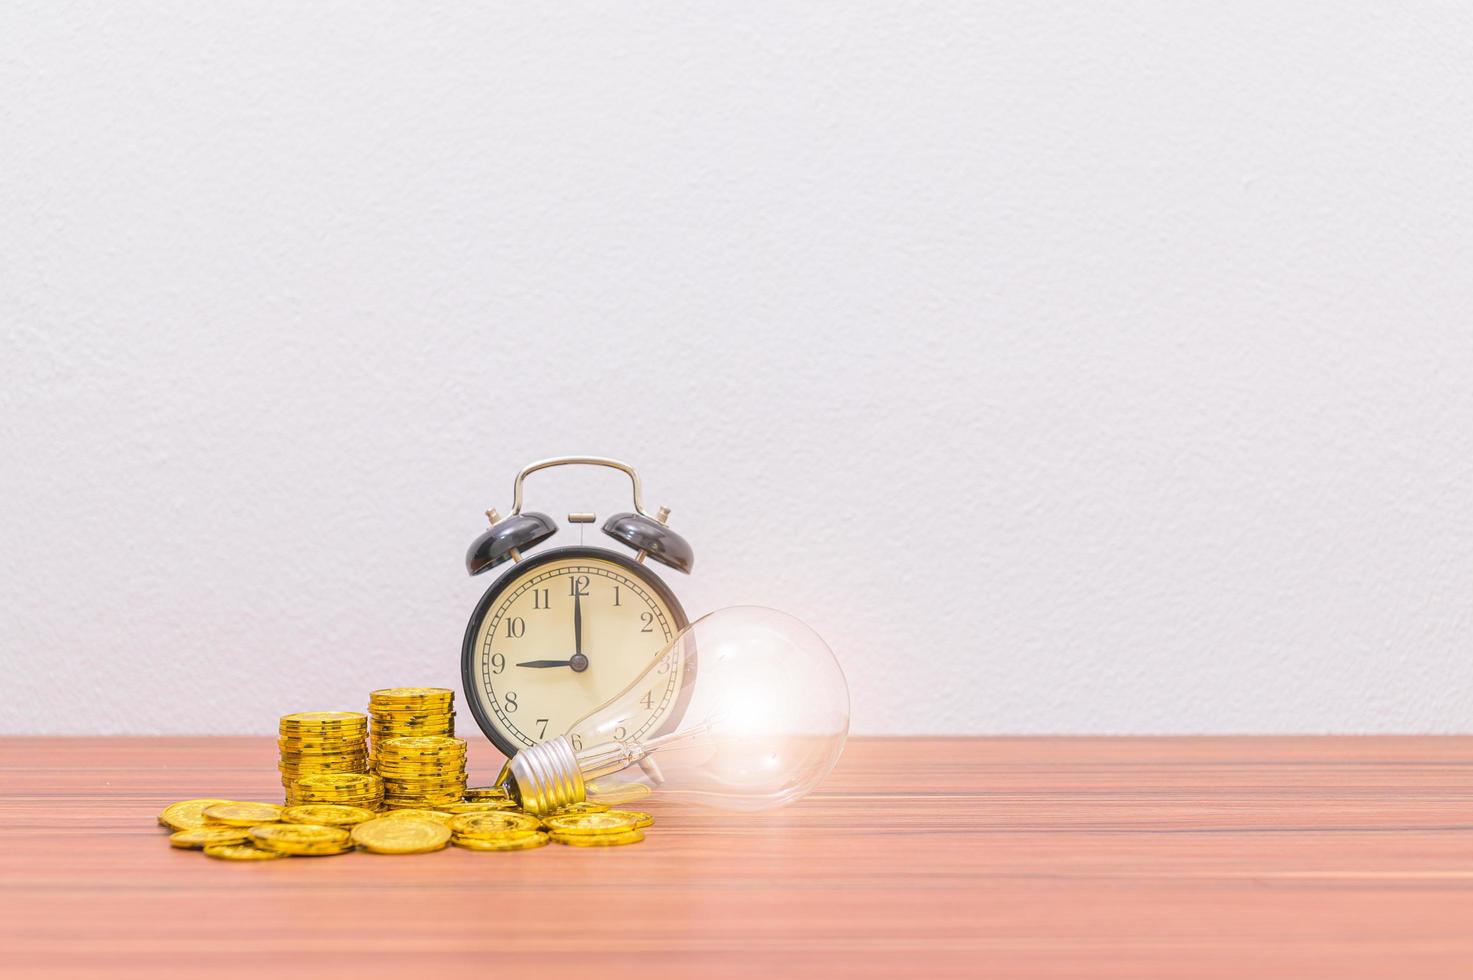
546, 777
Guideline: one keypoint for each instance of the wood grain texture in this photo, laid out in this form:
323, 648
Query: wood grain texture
1191, 857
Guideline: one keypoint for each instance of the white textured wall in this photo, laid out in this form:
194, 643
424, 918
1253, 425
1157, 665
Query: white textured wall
1093, 368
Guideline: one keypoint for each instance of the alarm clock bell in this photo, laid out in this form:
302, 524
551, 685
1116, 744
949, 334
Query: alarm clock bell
506, 539
649, 536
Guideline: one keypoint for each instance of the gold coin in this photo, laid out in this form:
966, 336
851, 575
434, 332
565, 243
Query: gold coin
188, 814
323, 719
497, 824
413, 744
640, 818
241, 852
394, 775
243, 814
425, 787
326, 814
599, 840
480, 806
589, 823
402, 782
323, 724
511, 842
357, 783
343, 797
408, 774
476, 793
441, 797
438, 816
204, 836
416, 757
400, 835
301, 838
301, 770
582, 808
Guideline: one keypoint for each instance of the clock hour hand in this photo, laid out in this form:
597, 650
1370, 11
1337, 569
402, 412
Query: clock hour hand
578, 662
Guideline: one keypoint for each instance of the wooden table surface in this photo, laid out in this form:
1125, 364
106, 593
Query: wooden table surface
1006, 857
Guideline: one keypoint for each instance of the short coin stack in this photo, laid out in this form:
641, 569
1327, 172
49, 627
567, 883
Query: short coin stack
399, 712
497, 830
364, 790
301, 838
422, 772
609, 828
321, 742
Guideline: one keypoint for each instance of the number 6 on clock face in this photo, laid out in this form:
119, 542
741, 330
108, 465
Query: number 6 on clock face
561, 633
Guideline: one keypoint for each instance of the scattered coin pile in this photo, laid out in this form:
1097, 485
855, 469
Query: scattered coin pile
400, 712
408, 797
236, 831
316, 743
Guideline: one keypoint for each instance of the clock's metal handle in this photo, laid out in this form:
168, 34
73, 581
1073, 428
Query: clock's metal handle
516, 503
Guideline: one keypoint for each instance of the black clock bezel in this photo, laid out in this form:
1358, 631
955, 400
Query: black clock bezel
644, 573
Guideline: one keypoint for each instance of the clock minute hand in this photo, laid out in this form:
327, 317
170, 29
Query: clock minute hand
577, 621
545, 663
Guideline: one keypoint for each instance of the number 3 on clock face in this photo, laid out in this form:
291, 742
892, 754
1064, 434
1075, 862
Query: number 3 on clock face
558, 635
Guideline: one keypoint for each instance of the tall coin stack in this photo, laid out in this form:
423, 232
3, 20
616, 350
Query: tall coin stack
398, 712
321, 742
421, 772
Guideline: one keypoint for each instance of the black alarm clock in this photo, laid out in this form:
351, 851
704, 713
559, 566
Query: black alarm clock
563, 630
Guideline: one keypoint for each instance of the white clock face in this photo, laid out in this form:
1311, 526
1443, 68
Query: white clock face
561, 639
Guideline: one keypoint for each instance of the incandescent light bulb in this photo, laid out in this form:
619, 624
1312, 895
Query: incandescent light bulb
764, 717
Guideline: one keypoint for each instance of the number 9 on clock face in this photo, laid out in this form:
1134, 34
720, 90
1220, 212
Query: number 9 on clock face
558, 635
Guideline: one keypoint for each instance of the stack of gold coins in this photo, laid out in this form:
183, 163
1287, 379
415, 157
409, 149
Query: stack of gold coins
317, 742
593, 828
422, 771
363, 790
497, 831
400, 712
301, 838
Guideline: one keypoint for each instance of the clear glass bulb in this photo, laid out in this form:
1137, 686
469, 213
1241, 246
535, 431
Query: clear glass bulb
761, 715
